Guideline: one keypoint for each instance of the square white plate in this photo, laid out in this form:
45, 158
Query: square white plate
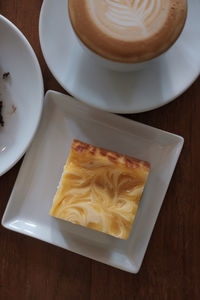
64, 119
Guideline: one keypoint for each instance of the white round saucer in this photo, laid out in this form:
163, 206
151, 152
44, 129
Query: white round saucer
21, 93
118, 92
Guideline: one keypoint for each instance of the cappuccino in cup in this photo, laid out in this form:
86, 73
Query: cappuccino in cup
127, 31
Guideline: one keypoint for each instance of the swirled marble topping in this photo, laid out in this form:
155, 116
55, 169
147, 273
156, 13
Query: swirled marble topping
100, 189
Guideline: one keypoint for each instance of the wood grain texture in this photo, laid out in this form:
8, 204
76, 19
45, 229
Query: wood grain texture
31, 269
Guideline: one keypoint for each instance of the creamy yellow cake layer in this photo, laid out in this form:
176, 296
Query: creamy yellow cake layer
100, 189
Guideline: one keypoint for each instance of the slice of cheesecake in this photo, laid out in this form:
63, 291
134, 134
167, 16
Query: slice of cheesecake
100, 189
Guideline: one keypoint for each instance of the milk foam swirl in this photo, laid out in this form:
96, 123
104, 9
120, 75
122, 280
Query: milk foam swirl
127, 17
129, 13
128, 31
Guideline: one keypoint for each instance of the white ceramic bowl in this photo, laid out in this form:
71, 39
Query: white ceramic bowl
21, 93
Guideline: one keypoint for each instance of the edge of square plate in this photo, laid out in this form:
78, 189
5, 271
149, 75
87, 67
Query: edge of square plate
179, 144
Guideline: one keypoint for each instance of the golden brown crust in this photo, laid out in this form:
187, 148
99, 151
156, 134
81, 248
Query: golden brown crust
114, 157
127, 51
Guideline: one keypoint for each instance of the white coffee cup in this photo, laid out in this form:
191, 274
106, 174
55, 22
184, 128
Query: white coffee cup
113, 65
88, 33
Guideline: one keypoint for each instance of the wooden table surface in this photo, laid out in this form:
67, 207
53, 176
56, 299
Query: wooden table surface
31, 269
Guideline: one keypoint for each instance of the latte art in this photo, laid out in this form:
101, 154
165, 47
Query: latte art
132, 13
128, 30
124, 19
